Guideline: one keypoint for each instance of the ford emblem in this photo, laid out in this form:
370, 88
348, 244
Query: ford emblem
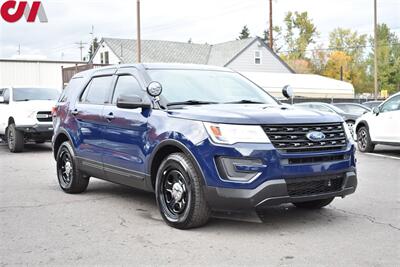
315, 136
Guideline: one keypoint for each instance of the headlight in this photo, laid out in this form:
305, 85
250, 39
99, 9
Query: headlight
231, 133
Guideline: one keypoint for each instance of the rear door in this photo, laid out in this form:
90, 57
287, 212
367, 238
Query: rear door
126, 133
88, 113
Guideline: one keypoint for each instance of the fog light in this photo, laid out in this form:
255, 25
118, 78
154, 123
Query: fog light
239, 169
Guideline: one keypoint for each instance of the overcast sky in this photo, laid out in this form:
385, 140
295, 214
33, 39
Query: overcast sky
210, 21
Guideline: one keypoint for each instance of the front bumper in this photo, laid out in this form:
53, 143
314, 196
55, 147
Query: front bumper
270, 193
38, 131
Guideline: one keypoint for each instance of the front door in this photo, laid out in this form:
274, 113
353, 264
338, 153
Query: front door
386, 125
125, 135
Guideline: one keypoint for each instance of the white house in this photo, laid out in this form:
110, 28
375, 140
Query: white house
250, 54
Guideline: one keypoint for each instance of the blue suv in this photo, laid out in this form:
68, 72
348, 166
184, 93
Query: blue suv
202, 138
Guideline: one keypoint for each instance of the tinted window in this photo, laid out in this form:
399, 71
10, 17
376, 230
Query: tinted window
97, 90
74, 83
392, 104
28, 94
127, 85
206, 85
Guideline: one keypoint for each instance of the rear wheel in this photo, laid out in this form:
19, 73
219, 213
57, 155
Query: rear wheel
364, 142
15, 139
70, 178
315, 204
179, 193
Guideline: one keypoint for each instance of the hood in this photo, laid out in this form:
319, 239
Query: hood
252, 114
34, 105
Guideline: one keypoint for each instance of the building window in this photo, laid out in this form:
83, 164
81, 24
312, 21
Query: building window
106, 58
101, 58
257, 57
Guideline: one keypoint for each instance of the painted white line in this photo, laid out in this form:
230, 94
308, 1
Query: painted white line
383, 156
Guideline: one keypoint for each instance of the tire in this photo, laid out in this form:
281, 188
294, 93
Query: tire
315, 204
70, 178
179, 193
364, 142
15, 139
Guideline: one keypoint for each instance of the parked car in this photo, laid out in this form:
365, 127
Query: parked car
372, 104
202, 138
349, 118
381, 126
353, 108
25, 115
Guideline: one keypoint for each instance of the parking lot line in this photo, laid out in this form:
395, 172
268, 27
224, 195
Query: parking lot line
383, 156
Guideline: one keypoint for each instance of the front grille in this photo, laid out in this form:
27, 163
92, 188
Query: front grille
292, 138
314, 185
44, 116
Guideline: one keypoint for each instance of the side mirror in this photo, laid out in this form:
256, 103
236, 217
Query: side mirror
287, 92
132, 102
376, 110
154, 89
2, 101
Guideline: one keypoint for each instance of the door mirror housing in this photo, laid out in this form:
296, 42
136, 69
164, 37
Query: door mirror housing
154, 89
376, 110
287, 92
132, 102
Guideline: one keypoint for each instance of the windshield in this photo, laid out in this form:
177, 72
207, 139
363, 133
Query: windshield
208, 86
27, 94
354, 109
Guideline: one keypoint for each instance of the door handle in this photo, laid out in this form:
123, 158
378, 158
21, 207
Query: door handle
75, 112
110, 116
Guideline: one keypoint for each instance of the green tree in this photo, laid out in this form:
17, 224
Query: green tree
354, 45
388, 59
245, 33
95, 45
300, 32
277, 36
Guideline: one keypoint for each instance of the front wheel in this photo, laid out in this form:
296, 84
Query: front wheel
314, 204
364, 142
70, 178
179, 193
15, 139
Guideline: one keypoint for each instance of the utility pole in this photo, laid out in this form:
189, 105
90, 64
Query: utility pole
138, 41
375, 52
19, 49
271, 37
92, 33
81, 46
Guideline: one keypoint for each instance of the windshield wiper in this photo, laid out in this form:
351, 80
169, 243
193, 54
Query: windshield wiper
245, 101
191, 102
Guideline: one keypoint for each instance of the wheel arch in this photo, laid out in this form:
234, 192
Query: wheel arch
164, 149
362, 123
61, 137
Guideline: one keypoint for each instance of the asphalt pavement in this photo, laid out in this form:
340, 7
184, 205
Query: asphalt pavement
116, 225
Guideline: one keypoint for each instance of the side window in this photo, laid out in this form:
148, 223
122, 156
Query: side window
97, 90
392, 105
6, 95
127, 85
73, 84
257, 57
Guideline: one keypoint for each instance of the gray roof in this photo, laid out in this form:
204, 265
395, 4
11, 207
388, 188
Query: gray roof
177, 52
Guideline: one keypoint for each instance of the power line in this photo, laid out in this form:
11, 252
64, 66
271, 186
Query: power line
81, 46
